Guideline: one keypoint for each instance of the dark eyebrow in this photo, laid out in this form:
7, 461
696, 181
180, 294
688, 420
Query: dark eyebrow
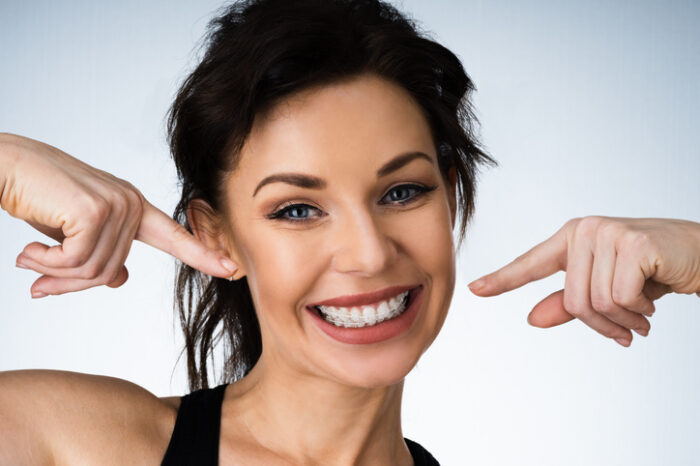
314, 182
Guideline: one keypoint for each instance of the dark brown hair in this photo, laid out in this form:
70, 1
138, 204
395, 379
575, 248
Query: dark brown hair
257, 53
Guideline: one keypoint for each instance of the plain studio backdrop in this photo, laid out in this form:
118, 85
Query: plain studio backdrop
590, 107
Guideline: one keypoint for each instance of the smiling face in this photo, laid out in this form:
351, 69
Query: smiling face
356, 229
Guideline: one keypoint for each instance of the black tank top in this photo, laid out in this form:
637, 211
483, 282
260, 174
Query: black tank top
195, 438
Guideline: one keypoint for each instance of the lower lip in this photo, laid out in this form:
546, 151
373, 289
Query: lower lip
373, 333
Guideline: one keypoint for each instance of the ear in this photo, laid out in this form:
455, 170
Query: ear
207, 227
451, 192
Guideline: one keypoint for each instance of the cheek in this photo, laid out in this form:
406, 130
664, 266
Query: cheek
281, 268
429, 243
428, 237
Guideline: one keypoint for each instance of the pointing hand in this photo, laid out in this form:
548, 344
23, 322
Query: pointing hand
615, 269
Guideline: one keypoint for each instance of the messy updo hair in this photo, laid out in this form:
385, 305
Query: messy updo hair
257, 53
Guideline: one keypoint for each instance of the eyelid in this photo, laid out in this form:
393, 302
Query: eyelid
279, 211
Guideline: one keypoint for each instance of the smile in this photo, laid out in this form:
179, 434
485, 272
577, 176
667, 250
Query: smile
370, 314
369, 323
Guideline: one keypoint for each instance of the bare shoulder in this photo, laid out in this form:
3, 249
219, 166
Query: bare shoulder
60, 417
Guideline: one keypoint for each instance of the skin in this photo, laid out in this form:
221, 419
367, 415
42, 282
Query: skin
615, 269
306, 391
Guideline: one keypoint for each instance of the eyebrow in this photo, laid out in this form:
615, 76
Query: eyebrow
313, 182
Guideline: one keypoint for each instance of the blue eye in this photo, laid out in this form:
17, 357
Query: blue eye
291, 212
404, 189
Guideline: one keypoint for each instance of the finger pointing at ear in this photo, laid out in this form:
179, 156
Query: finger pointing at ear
162, 232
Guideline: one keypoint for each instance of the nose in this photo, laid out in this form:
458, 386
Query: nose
362, 246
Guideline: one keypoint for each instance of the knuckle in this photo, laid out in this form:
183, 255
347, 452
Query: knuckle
569, 226
90, 271
603, 305
97, 209
135, 202
180, 233
621, 298
75, 261
572, 306
588, 226
523, 260
635, 239
110, 276
572, 222
608, 229
120, 203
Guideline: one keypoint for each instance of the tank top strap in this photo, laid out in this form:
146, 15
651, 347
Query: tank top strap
195, 438
421, 456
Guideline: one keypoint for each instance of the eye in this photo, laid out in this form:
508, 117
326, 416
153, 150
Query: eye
402, 195
295, 210
403, 190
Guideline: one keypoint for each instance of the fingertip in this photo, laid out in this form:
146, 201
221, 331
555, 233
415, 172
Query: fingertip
38, 288
33, 251
228, 265
477, 285
533, 321
122, 277
482, 289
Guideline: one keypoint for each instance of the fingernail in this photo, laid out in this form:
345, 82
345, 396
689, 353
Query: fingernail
38, 294
623, 341
642, 331
21, 265
228, 265
478, 284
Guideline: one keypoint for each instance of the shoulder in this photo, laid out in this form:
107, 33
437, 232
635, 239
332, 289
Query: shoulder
61, 417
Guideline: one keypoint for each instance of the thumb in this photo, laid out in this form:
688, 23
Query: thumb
550, 312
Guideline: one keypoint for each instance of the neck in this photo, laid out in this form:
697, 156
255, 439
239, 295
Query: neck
306, 419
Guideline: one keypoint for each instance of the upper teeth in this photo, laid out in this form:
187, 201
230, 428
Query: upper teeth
370, 314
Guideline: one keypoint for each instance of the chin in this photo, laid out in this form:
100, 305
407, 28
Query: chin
373, 369
383, 363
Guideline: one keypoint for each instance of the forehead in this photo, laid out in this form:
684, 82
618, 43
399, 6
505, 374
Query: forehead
345, 126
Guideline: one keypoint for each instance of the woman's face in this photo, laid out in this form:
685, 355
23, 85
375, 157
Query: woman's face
349, 235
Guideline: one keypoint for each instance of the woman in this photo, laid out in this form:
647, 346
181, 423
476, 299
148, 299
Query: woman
321, 155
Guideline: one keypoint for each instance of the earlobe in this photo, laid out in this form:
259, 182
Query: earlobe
207, 227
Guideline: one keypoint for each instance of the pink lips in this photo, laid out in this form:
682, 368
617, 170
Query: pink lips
373, 333
366, 298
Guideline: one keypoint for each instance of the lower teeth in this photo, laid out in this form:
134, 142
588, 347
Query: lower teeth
328, 319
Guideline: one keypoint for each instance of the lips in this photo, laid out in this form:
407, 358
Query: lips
368, 334
363, 299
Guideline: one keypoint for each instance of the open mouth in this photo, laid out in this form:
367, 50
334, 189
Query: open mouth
365, 316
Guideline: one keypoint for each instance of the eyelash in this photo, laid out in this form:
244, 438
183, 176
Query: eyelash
280, 214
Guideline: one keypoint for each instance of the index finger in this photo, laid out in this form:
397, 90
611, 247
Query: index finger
162, 232
541, 261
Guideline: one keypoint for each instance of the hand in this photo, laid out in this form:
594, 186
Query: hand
95, 216
615, 269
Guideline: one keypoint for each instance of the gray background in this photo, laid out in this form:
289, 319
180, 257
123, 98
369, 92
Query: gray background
590, 107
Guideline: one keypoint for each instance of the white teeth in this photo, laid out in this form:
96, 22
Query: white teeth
365, 315
369, 314
383, 311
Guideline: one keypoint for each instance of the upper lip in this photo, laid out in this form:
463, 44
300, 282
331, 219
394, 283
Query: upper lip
365, 298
